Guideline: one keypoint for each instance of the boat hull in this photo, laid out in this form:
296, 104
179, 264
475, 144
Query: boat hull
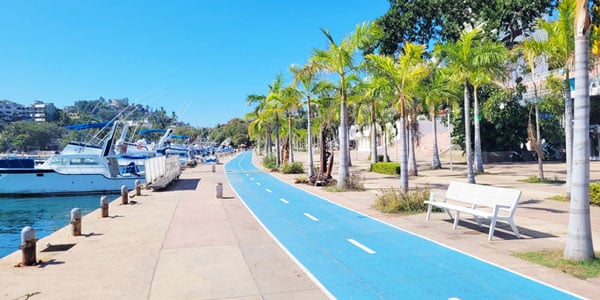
30, 182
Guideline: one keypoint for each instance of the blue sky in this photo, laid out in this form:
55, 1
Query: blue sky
199, 59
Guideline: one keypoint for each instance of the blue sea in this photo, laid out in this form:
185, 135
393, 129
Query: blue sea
45, 215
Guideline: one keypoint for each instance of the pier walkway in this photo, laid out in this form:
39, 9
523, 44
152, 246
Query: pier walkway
186, 243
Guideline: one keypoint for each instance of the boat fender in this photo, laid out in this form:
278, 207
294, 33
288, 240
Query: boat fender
76, 221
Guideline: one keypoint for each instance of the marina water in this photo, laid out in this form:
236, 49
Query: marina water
45, 215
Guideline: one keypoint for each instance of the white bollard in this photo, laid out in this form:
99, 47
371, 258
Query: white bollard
124, 195
103, 206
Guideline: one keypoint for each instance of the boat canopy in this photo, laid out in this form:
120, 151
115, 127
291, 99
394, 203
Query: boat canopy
88, 126
147, 131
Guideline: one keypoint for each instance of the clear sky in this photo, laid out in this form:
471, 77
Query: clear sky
199, 59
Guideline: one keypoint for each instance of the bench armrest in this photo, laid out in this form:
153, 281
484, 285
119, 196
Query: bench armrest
433, 196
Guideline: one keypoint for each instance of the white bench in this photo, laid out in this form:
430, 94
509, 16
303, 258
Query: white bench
481, 201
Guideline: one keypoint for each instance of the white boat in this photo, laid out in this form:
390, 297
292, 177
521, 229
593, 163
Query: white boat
70, 173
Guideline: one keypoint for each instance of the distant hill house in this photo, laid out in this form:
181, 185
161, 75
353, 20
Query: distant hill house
39, 111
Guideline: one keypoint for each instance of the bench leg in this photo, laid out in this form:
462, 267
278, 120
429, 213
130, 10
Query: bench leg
448, 213
456, 219
514, 228
492, 228
428, 212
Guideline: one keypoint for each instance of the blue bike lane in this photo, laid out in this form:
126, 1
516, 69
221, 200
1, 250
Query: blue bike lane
356, 257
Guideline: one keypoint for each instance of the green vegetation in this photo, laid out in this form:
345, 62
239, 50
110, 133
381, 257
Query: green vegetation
301, 179
396, 201
554, 259
354, 182
389, 168
534, 179
558, 198
292, 168
269, 161
595, 193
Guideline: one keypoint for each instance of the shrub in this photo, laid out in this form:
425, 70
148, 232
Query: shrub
354, 182
595, 193
389, 168
301, 179
269, 161
379, 157
293, 168
394, 201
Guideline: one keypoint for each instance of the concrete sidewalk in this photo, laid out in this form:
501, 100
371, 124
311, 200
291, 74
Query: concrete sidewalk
186, 243
182, 243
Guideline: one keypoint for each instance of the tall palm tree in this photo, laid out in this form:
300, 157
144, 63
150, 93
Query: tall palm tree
372, 92
531, 50
579, 238
489, 65
306, 77
559, 49
259, 122
290, 103
338, 59
465, 58
436, 91
404, 77
274, 106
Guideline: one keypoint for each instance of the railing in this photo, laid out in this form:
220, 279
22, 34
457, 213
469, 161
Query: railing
162, 167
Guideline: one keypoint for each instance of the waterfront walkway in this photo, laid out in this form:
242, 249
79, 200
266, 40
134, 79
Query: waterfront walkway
186, 243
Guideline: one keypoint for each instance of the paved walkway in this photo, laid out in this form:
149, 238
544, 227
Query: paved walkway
186, 243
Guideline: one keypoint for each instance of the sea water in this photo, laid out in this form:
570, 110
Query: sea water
45, 215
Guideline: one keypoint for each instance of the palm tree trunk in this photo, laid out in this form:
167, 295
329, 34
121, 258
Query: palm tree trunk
403, 156
467, 113
343, 172
579, 237
374, 157
386, 157
478, 154
568, 132
436, 163
412, 134
311, 163
277, 145
538, 141
291, 136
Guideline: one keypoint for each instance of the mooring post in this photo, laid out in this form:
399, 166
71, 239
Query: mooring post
76, 221
27, 246
124, 195
138, 187
104, 206
213, 168
219, 188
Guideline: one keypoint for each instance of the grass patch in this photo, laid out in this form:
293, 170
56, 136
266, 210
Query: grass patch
561, 198
396, 201
301, 179
534, 179
554, 259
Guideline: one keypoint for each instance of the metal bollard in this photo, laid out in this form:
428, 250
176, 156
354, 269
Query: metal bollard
219, 190
213, 168
27, 246
76, 221
124, 195
138, 187
104, 206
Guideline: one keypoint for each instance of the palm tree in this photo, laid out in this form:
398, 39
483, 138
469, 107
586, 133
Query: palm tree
436, 91
579, 238
531, 49
465, 58
306, 76
338, 59
258, 121
274, 106
559, 49
290, 101
489, 65
404, 77
372, 92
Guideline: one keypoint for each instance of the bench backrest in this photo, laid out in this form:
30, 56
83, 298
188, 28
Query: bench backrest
460, 191
483, 195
